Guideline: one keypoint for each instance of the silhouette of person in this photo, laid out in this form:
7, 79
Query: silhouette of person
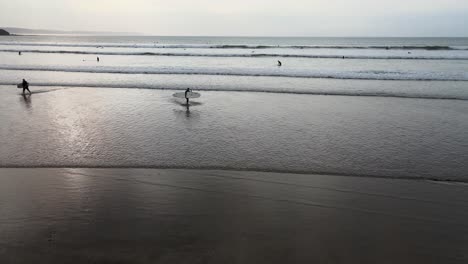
19, 53
279, 64
97, 59
186, 92
25, 86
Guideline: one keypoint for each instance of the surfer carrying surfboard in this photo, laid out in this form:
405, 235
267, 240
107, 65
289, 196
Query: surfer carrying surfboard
25, 85
187, 94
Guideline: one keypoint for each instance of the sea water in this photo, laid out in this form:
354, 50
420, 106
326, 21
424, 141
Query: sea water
226, 63
385, 107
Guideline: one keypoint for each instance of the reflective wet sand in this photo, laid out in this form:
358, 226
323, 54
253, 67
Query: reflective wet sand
343, 135
210, 216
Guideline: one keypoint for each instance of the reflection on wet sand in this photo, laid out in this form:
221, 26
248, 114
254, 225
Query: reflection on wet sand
192, 103
188, 113
26, 99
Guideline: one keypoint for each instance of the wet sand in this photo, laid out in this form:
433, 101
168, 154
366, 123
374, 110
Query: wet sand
211, 216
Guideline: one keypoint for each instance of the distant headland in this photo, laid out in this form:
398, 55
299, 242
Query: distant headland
28, 31
4, 32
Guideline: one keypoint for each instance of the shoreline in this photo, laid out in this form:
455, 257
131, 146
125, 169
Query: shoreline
371, 94
247, 170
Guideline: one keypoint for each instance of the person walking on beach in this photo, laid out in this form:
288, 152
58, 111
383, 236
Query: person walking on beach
186, 93
25, 85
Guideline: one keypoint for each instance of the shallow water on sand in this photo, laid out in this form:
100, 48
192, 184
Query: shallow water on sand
369, 136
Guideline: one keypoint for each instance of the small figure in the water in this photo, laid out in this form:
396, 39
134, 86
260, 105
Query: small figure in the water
25, 85
279, 64
186, 92
343, 57
97, 59
19, 53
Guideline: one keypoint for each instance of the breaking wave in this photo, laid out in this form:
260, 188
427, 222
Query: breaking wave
266, 72
235, 46
244, 55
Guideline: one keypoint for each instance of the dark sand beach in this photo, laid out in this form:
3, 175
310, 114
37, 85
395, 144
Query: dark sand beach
212, 216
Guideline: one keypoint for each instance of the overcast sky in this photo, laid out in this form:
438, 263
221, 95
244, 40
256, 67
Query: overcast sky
244, 17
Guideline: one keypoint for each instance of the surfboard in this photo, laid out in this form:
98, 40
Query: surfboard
189, 95
20, 85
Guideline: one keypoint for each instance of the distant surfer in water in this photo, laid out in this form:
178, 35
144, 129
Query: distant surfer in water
25, 85
186, 93
97, 59
279, 64
19, 53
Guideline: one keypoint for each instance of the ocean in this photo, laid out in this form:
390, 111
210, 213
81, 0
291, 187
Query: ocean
374, 107
243, 64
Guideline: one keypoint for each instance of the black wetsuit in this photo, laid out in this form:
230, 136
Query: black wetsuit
26, 86
187, 91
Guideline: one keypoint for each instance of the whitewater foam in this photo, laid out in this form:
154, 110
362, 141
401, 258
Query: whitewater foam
267, 72
253, 89
245, 55
236, 46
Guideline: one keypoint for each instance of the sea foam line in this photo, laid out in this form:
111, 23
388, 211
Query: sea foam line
328, 92
241, 55
264, 72
236, 46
